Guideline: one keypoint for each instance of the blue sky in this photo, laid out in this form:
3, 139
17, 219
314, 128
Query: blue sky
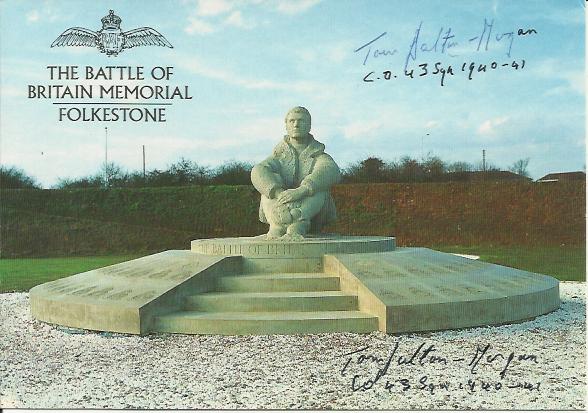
247, 62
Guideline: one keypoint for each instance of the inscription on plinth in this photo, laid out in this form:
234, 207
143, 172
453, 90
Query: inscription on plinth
307, 248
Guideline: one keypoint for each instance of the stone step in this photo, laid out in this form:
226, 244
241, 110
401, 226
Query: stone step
278, 282
240, 323
272, 301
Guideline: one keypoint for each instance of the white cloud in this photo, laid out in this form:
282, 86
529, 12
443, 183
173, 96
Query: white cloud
23, 69
210, 16
205, 18
307, 55
196, 66
576, 81
361, 129
338, 53
11, 91
327, 53
295, 6
563, 15
214, 7
249, 134
432, 124
236, 19
33, 16
551, 69
488, 127
48, 11
252, 139
199, 26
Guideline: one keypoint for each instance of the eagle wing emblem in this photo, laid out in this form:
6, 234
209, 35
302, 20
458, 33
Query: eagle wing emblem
76, 36
144, 36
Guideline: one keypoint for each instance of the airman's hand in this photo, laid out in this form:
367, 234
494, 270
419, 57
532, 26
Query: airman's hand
291, 195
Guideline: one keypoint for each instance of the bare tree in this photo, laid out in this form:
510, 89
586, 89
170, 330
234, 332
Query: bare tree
112, 173
520, 167
433, 167
233, 173
460, 167
13, 177
479, 166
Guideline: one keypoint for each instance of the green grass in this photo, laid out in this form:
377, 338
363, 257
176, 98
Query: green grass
22, 274
563, 262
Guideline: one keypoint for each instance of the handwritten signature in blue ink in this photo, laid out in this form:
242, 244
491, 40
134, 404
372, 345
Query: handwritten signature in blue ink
377, 52
486, 36
418, 45
445, 42
483, 40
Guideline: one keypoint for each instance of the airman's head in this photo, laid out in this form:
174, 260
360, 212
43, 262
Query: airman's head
298, 122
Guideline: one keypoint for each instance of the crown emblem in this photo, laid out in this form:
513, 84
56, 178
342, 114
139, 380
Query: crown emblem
112, 21
111, 39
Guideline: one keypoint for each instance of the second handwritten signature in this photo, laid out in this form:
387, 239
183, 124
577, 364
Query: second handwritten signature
359, 366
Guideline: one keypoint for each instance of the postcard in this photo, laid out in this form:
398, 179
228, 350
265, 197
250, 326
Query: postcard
293, 204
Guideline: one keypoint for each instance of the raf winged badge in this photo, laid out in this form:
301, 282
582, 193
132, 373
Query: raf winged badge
111, 39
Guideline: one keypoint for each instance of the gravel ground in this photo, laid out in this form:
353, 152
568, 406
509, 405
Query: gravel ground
539, 364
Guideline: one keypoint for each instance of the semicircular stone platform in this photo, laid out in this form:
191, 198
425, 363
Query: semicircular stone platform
323, 284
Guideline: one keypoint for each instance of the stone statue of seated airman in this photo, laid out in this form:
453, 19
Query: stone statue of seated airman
295, 182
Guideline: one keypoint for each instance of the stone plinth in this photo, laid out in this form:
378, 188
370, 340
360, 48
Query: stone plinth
329, 284
312, 247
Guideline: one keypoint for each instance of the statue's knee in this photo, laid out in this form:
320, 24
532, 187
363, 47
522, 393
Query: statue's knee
312, 205
291, 212
296, 213
281, 214
275, 212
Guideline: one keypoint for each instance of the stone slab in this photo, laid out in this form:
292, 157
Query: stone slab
244, 323
418, 289
125, 297
278, 282
403, 290
282, 265
272, 301
312, 247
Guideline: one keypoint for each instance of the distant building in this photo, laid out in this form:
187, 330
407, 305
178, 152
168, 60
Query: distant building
476, 176
563, 176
